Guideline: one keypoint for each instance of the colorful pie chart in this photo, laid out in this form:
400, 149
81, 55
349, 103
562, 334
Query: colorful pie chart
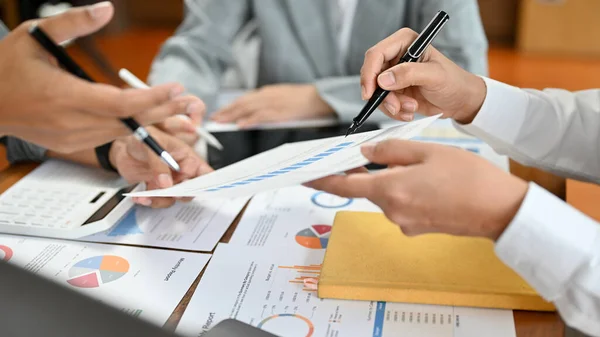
314, 237
326, 200
98, 270
278, 324
5, 253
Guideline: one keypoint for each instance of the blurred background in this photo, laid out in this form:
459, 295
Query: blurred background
533, 43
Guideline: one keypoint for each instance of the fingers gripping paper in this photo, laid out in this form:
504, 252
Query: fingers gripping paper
287, 165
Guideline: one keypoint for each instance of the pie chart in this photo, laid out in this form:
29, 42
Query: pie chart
300, 325
326, 200
5, 253
314, 237
98, 270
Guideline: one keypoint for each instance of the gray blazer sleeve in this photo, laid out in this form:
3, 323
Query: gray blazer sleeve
463, 39
344, 96
199, 52
20, 151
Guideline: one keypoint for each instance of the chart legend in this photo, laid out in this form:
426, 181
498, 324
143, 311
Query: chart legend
314, 237
95, 271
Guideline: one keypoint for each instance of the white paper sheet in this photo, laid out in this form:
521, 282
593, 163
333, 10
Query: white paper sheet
214, 127
146, 283
442, 131
197, 225
288, 165
256, 286
297, 216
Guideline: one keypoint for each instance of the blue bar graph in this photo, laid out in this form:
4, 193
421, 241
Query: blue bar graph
290, 168
379, 318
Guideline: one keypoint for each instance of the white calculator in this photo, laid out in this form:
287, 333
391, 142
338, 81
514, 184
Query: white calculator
64, 200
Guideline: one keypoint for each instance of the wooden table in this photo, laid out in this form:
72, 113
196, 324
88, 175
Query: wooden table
528, 324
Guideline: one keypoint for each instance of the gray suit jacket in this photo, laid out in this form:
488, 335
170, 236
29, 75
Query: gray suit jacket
298, 43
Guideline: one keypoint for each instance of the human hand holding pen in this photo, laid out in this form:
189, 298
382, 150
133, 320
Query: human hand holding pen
183, 121
43, 104
432, 86
136, 163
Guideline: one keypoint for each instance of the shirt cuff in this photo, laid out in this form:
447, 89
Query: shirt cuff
547, 242
18, 150
502, 113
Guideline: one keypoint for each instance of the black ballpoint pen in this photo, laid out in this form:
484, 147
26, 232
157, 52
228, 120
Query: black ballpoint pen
63, 58
413, 53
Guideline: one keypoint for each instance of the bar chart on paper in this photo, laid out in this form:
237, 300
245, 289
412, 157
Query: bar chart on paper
287, 169
287, 165
268, 291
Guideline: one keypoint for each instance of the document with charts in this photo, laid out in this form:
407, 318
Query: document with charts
442, 131
266, 289
288, 165
294, 215
145, 283
197, 225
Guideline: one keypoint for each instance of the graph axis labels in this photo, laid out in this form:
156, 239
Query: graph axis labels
344, 202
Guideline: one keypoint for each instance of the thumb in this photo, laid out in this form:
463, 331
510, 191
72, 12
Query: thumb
396, 152
78, 22
409, 74
137, 149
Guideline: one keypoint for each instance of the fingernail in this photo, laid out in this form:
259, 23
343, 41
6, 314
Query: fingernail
178, 90
390, 108
143, 201
409, 107
368, 149
407, 117
165, 180
205, 169
100, 9
387, 79
363, 92
192, 107
189, 126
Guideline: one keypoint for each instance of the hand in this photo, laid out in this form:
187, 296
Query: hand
275, 103
434, 188
184, 126
137, 163
43, 104
434, 85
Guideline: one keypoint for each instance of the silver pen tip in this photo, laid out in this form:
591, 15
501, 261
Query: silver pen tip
170, 161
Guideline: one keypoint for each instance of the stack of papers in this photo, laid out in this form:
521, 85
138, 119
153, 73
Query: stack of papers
196, 226
265, 289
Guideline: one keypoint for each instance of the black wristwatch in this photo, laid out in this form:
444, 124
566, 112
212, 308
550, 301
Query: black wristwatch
102, 153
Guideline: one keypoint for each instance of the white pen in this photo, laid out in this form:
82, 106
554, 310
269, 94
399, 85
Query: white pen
135, 82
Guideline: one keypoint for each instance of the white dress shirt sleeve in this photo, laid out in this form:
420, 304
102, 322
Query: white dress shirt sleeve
554, 247
556, 130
